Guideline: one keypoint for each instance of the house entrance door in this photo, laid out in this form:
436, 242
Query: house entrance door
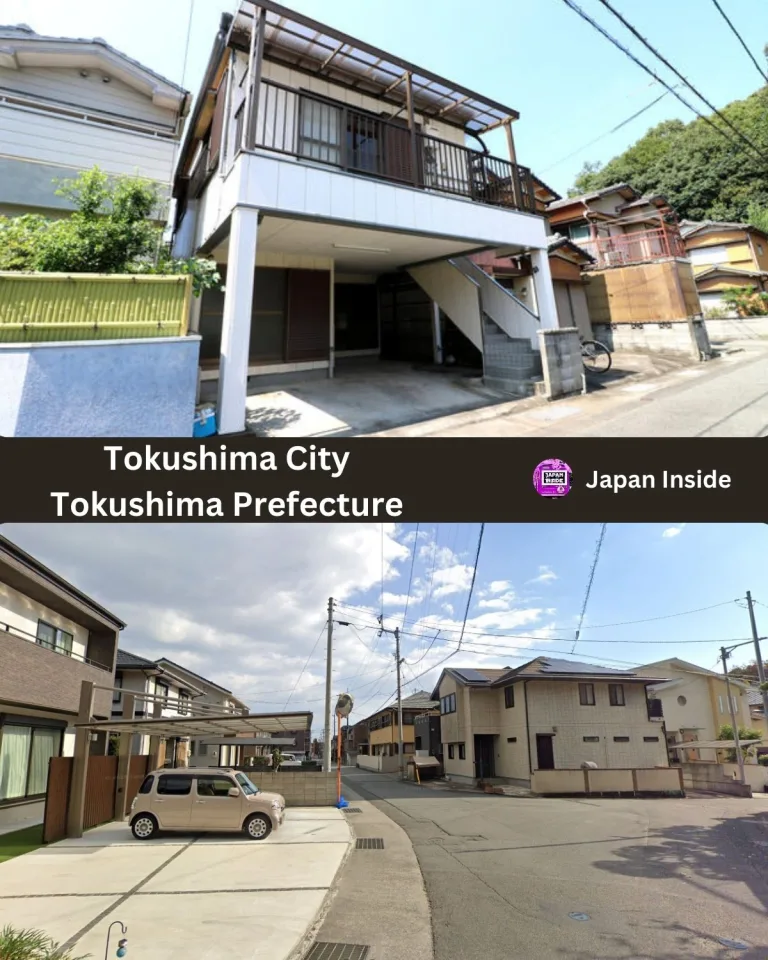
545, 751
485, 768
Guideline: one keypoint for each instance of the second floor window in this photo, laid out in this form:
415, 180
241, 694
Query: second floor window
448, 704
587, 694
320, 131
184, 700
616, 694
509, 697
117, 695
161, 690
52, 638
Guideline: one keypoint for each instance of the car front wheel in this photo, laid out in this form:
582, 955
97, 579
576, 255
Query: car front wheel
144, 826
258, 827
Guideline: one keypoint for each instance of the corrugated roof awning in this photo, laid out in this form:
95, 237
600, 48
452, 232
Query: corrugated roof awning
249, 741
205, 726
313, 47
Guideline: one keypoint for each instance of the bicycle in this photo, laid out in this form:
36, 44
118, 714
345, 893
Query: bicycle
596, 357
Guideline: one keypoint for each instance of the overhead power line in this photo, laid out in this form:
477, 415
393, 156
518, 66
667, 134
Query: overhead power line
741, 40
598, 626
643, 66
603, 136
306, 664
410, 576
598, 548
472, 584
636, 33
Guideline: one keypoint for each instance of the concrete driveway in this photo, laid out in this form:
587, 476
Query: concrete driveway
181, 896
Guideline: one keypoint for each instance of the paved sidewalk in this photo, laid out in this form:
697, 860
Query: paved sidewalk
181, 896
379, 901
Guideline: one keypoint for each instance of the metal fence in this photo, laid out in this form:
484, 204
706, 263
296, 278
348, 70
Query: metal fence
313, 128
54, 307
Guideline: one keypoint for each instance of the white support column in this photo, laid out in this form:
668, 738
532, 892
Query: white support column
332, 330
437, 335
545, 291
236, 321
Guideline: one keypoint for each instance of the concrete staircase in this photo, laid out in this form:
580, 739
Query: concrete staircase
502, 328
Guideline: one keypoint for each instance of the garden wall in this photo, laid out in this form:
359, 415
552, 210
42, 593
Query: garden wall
102, 388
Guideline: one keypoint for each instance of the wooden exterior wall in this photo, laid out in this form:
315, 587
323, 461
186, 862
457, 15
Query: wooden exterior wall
647, 292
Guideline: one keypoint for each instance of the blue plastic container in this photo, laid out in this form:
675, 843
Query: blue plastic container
205, 422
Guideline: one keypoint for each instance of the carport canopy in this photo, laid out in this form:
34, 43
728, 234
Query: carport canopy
227, 725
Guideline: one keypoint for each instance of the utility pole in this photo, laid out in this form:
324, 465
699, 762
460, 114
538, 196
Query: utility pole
399, 662
739, 757
758, 655
328, 672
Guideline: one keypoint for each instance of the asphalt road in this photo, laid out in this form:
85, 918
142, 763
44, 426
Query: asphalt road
519, 879
726, 397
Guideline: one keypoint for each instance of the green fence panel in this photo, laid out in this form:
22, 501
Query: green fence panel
54, 307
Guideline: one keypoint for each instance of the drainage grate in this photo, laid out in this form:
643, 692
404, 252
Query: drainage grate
338, 951
369, 843
353, 810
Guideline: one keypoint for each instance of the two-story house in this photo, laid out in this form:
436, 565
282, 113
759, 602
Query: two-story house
548, 714
725, 255
181, 693
67, 105
695, 704
640, 287
52, 637
384, 726
340, 189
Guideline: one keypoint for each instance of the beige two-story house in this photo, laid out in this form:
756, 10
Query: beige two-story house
695, 704
549, 714
52, 637
384, 728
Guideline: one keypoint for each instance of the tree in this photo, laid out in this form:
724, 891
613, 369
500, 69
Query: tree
745, 734
701, 173
110, 231
748, 671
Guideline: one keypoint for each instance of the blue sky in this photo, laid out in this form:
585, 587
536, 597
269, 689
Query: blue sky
568, 83
245, 605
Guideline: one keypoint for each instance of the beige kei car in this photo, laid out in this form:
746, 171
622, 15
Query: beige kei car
204, 798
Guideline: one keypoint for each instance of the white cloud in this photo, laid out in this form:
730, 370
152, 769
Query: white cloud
450, 580
673, 531
546, 575
498, 586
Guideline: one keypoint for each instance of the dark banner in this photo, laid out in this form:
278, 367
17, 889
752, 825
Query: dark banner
317, 480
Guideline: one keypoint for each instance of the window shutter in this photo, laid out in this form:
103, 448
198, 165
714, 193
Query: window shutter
217, 125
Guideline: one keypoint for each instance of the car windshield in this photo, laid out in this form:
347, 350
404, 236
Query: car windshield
248, 788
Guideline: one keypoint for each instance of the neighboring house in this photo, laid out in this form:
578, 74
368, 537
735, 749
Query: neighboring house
757, 717
695, 703
567, 261
426, 732
340, 189
384, 727
545, 715
640, 289
67, 105
181, 692
52, 637
725, 255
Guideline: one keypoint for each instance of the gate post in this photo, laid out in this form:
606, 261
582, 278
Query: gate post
76, 805
124, 759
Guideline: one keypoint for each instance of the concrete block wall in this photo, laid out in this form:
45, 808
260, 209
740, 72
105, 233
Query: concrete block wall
510, 365
561, 362
314, 789
100, 388
682, 337
738, 328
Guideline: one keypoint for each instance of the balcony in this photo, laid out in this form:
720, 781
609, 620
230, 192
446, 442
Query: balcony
321, 131
36, 675
624, 249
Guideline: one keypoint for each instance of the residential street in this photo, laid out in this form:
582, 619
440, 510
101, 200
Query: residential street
726, 397
512, 878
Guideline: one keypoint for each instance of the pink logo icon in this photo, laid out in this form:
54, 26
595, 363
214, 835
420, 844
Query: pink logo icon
552, 478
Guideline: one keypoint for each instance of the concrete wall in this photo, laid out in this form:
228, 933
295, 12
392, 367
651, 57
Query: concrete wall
299, 789
561, 362
380, 764
712, 778
738, 328
633, 780
687, 338
106, 388
755, 774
